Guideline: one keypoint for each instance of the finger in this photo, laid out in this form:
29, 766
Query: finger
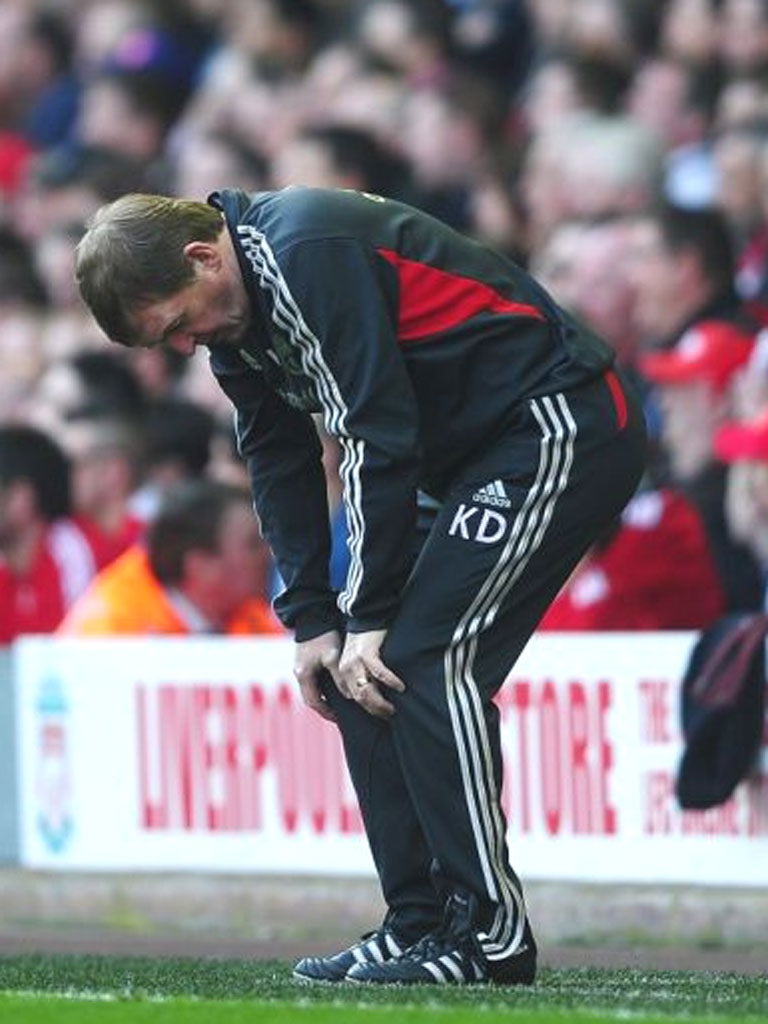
379, 671
342, 684
330, 658
330, 662
370, 699
310, 694
351, 675
351, 667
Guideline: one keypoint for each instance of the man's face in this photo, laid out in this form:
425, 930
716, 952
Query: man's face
212, 310
238, 568
658, 98
5, 526
690, 415
746, 506
654, 277
308, 162
101, 466
16, 510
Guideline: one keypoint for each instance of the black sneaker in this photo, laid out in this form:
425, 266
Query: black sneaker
373, 948
451, 955
519, 969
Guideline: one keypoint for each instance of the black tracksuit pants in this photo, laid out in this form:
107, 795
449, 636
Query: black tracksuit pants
510, 531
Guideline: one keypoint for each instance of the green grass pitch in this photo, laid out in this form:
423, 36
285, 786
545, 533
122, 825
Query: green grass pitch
121, 990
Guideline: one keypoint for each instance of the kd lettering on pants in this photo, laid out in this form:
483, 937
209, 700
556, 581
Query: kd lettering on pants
471, 523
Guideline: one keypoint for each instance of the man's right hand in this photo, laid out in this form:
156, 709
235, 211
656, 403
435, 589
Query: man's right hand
312, 657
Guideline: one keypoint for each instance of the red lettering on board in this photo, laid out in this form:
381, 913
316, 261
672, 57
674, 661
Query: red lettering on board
581, 797
204, 752
658, 792
654, 696
549, 763
608, 818
743, 815
560, 759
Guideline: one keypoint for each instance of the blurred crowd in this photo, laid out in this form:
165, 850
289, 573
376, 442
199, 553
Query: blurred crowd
618, 148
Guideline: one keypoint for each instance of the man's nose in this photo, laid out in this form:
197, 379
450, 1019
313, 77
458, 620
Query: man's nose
184, 344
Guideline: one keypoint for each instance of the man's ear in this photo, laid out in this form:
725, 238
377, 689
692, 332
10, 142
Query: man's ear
205, 254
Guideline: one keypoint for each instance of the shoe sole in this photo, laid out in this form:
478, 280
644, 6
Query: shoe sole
418, 982
488, 982
384, 984
304, 979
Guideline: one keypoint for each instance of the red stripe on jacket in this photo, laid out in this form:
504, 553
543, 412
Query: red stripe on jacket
619, 400
433, 300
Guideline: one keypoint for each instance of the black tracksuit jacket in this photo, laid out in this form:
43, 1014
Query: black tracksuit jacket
415, 343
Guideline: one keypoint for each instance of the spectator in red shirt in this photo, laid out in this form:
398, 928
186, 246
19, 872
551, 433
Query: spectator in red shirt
694, 381
45, 562
655, 571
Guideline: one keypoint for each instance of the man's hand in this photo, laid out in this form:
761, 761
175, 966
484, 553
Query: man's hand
363, 673
312, 657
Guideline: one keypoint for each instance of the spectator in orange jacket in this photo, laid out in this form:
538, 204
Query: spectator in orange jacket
204, 570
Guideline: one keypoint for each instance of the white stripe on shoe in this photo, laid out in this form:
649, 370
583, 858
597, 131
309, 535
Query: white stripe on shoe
452, 967
436, 971
373, 952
